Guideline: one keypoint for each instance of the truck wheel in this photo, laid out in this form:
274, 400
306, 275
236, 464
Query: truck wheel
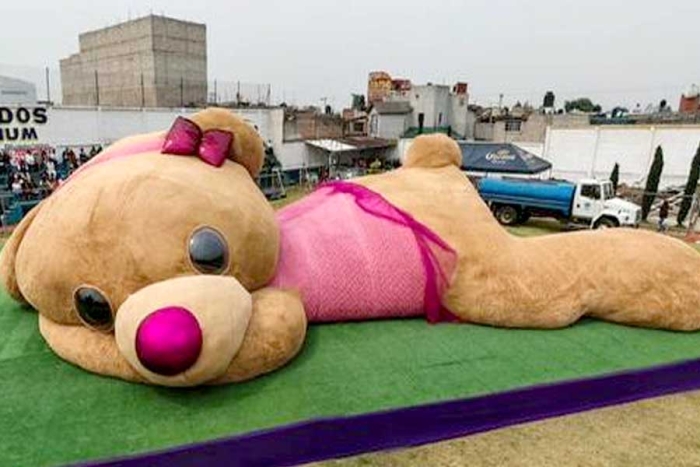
507, 215
524, 216
605, 223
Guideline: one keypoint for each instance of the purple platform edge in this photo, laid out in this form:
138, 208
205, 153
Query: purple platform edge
328, 438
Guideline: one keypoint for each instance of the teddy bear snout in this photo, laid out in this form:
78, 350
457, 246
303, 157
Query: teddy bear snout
184, 331
169, 340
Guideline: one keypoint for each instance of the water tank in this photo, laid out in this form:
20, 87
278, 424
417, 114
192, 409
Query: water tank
538, 193
548, 100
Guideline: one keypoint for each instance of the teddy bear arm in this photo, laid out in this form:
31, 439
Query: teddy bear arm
8, 256
275, 335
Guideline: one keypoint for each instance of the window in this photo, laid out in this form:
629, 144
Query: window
608, 191
358, 127
591, 191
513, 125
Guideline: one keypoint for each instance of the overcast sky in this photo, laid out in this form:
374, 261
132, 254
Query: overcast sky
614, 51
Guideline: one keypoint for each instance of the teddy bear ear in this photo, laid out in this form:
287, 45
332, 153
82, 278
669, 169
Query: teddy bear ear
8, 256
247, 148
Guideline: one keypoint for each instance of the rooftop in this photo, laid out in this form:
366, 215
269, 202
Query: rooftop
350, 143
393, 108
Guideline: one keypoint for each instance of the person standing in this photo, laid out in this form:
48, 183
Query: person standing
663, 215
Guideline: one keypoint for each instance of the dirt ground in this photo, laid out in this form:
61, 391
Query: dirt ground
662, 432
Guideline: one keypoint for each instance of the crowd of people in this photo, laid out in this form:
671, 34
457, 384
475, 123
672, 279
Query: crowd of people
35, 172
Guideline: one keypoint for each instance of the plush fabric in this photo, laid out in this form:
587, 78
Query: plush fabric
275, 334
628, 276
354, 256
123, 223
221, 307
396, 244
247, 147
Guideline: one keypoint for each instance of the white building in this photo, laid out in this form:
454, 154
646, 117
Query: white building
74, 126
437, 107
16, 92
390, 120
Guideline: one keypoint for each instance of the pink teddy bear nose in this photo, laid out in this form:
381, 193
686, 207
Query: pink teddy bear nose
168, 341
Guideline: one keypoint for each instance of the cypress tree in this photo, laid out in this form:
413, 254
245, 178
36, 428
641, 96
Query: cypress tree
615, 176
690, 187
653, 178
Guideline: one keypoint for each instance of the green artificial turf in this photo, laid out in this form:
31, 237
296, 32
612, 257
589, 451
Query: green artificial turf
53, 413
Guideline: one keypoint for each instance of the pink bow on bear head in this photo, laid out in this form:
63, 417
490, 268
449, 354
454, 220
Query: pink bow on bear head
185, 138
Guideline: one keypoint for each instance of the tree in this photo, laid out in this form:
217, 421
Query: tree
358, 102
690, 187
653, 178
582, 104
615, 176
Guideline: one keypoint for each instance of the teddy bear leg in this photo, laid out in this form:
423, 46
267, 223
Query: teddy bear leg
629, 277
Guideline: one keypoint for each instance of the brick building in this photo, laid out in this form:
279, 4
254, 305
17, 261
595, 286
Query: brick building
690, 101
152, 61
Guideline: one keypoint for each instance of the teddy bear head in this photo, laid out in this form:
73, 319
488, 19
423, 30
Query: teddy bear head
138, 236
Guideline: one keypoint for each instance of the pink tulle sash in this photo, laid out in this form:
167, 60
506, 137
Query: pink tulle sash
353, 256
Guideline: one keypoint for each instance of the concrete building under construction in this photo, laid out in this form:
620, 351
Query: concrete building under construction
152, 61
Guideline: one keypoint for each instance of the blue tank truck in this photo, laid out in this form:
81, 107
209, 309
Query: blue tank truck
590, 203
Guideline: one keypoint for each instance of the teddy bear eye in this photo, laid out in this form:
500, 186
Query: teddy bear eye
93, 308
208, 251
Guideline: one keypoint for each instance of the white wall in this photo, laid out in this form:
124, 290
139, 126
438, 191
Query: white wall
431, 101
577, 153
460, 118
390, 126
90, 125
298, 154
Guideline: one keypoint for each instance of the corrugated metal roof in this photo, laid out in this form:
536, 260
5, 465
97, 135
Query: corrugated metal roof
351, 143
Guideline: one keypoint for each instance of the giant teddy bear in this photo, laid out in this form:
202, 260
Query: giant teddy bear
161, 262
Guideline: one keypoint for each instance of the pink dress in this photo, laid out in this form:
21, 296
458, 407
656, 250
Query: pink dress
355, 256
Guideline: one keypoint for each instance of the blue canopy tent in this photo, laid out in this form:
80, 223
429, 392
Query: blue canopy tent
500, 158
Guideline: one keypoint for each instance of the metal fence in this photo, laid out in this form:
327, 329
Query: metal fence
132, 89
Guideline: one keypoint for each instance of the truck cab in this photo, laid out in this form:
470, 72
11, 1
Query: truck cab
595, 204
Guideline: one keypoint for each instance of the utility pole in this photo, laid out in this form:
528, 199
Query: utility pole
97, 90
182, 91
143, 94
48, 86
